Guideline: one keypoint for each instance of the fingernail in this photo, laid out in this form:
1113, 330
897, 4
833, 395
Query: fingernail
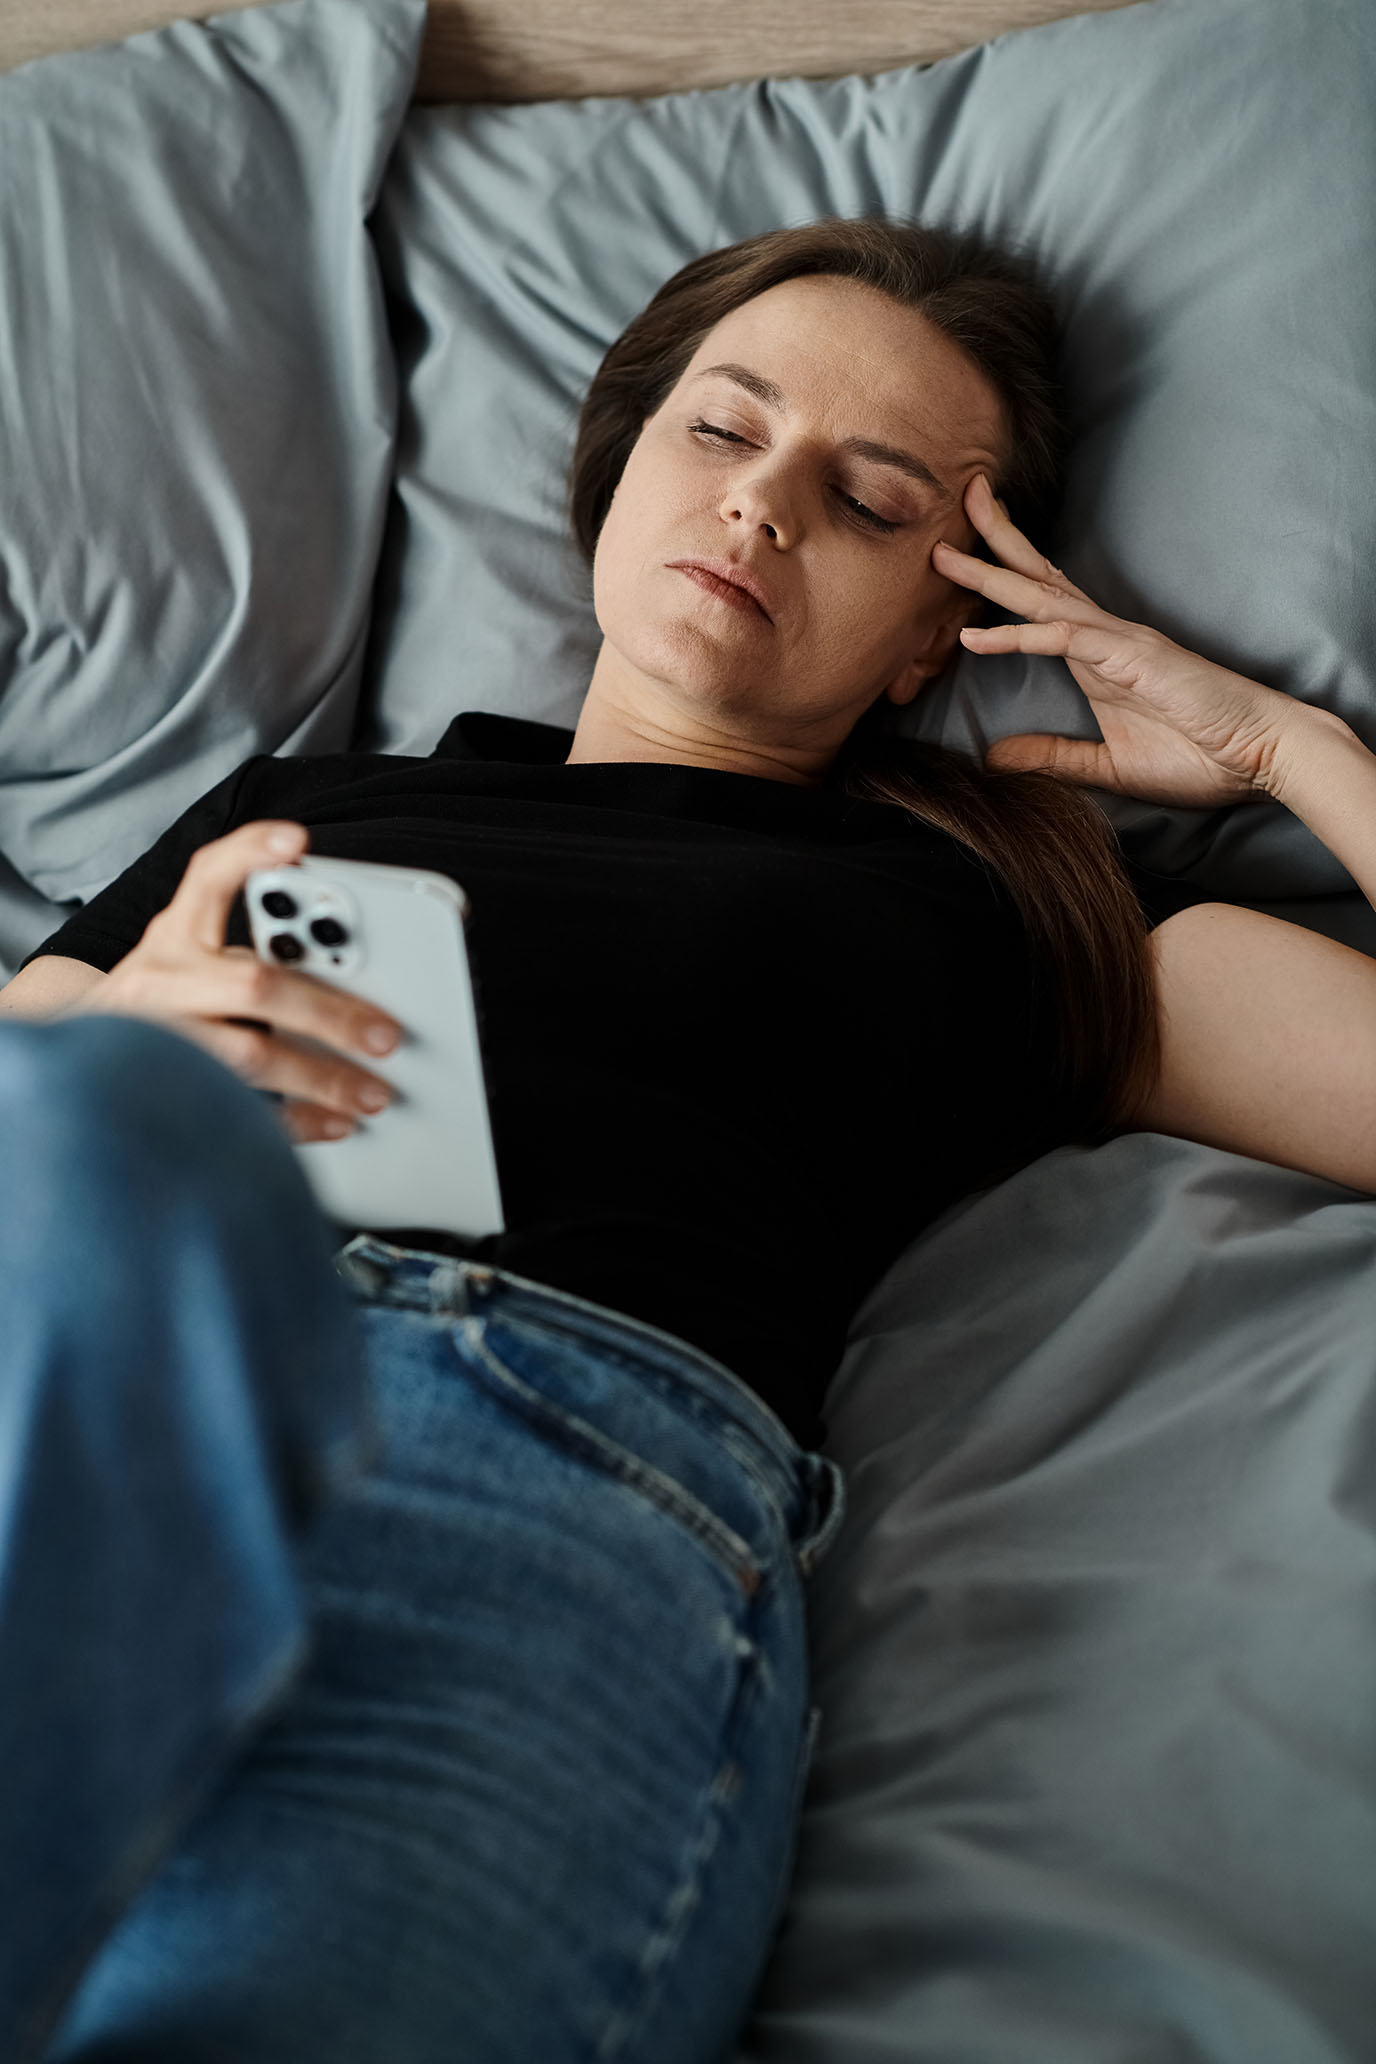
335, 1128
374, 1097
379, 1039
283, 841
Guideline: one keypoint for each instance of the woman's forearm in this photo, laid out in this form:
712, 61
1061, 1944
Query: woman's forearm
49, 987
1323, 773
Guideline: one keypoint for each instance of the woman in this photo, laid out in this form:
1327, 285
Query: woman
455, 1704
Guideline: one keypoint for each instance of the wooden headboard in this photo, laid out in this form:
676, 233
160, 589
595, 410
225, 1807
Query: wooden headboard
516, 50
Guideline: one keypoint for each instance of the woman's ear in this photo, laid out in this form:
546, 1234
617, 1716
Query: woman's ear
934, 655
906, 684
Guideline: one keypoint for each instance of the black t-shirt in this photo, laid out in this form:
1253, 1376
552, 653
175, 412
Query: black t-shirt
743, 1039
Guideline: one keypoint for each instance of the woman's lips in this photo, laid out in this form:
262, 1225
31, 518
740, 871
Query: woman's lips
724, 590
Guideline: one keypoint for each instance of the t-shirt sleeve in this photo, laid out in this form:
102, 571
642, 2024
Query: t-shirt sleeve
1161, 895
1030, 1107
113, 922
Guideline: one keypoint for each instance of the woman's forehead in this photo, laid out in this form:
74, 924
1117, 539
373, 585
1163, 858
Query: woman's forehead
852, 353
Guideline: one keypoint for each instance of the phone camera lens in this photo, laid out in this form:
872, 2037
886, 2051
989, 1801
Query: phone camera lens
278, 903
327, 931
285, 945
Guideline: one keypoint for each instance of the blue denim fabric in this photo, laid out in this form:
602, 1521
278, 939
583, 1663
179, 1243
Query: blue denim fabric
513, 1770
179, 1391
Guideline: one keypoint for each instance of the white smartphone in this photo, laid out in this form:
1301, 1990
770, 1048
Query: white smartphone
395, 937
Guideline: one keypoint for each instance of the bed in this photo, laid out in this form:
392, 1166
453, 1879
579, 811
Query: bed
298, 308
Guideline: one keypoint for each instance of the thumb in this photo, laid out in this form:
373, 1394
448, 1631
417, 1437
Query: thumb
1038, 752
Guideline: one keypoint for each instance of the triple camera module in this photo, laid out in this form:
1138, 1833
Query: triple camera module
318, 926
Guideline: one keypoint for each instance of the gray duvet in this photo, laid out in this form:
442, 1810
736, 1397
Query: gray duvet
1095, 1780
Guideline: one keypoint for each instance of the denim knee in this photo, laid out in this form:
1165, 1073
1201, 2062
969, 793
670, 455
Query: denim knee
79, 1078
151, 1195
117, 1121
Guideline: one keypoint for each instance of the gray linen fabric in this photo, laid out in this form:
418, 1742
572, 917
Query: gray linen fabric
1095, 1647
197, 410
1197, 176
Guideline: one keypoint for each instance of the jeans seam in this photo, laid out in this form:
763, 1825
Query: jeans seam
729, 1552
665, 1386
704, 1413
741, 1450
685, 1897
707, 1413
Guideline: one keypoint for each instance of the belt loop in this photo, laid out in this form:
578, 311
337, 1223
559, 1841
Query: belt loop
448, 1288
358, 1269
827, 1493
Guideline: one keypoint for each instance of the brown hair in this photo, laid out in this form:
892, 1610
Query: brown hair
1049, 846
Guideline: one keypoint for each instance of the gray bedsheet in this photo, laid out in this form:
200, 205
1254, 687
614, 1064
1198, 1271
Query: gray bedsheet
1096, 1647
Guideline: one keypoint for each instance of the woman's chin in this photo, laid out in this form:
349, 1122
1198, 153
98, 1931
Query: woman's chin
697, 669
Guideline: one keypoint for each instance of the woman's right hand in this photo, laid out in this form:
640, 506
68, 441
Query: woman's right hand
249, 1015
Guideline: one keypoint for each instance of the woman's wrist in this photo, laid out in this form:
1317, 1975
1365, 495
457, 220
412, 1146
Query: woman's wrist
1306, 738
1322, 772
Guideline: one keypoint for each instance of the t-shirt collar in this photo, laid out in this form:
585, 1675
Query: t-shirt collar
482, 735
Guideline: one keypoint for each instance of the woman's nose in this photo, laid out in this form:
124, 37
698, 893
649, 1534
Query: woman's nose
761, 504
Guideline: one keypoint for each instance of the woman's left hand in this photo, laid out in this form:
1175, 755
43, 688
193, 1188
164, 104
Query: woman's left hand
1177, 728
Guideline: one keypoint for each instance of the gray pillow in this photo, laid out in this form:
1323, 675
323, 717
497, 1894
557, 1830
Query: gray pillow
197, 418
1197, 176
1095, 1647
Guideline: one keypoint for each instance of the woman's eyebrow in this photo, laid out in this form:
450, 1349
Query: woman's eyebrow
861, 447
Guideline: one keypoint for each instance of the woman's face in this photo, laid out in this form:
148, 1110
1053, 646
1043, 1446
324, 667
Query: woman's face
769, 454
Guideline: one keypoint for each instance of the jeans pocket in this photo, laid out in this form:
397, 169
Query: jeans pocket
584, 1442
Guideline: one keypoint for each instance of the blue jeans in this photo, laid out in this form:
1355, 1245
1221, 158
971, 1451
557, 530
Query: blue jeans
406, 1668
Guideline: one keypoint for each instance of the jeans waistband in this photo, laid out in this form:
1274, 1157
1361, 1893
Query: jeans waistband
809, 1487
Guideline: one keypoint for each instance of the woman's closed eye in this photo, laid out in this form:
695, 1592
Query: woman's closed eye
868, 516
